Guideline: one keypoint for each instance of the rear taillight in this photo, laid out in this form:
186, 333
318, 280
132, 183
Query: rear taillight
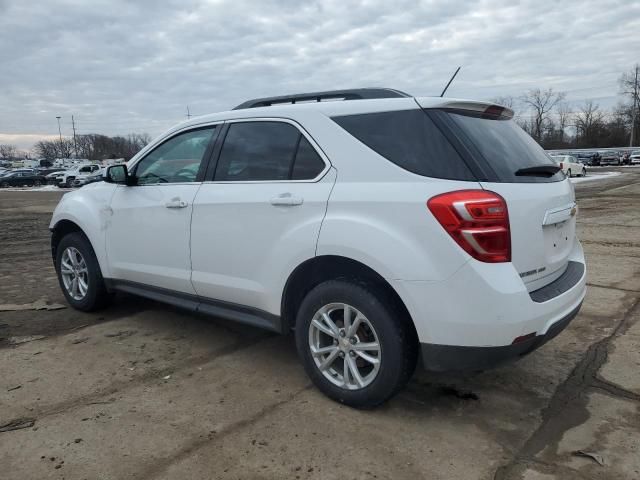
477, 220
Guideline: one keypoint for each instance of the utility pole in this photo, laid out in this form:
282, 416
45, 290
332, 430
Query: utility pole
75, 145
635, 108
59, 131
188, 113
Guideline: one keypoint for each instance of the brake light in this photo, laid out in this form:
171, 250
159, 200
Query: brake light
478, 220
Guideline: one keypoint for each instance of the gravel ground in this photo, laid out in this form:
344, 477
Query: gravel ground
143, 391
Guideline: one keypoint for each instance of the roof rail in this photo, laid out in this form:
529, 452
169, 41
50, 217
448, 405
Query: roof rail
353, 94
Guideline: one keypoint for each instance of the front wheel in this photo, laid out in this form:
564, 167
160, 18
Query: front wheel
4, 185
584, 172
37, 183
79, 273
356, 347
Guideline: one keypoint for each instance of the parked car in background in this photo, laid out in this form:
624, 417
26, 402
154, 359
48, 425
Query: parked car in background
625, 157
19, 170
570, 165
48, 171
608, 157
21, 178
591, 159
337, 220
54, 177
68, 176
86, 178
634, 158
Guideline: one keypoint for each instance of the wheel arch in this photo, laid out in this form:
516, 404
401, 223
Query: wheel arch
321, 268
60, 230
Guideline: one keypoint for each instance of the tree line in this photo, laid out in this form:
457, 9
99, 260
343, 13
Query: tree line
554, 124
92, 146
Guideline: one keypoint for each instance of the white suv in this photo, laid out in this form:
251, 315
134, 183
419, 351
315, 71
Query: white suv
379, 227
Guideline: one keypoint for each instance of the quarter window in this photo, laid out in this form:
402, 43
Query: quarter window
177, 160
266, 151
411, 140
308, 163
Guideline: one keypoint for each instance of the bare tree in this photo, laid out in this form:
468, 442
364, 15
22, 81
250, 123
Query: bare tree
564, 116
541, 102
8, 151
589, 121
630, 87
506, 101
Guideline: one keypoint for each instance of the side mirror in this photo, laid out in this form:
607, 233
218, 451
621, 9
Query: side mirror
118, 174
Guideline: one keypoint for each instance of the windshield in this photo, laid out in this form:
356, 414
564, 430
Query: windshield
505, 147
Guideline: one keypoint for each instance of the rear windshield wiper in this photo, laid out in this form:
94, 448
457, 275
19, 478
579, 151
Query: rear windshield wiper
539, 171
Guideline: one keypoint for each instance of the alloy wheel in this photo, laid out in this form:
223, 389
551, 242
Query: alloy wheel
344, 346
74, 272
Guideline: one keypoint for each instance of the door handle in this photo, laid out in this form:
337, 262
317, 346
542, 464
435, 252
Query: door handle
176, 203
286, 200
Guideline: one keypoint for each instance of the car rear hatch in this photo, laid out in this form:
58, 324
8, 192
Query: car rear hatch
540, 200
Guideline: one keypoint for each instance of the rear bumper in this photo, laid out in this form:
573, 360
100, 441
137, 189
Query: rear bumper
482, 308
450, 358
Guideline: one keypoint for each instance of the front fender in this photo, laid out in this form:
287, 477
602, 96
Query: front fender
89, 209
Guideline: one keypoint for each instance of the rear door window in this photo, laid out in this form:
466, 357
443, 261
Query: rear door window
411, 140
266, 151
503, 145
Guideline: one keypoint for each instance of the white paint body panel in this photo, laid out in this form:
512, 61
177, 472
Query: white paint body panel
243, 248
146, 241
89, 208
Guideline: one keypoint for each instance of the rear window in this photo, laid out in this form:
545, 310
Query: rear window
504, 146
411, 140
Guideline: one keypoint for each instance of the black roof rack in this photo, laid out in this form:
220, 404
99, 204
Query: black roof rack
353, 94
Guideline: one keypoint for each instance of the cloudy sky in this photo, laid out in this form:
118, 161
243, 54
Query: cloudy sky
121, 67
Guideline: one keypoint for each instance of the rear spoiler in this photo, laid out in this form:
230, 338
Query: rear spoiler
480, 107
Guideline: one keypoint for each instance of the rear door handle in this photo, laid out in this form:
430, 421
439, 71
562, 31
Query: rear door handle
286, 200
176, 203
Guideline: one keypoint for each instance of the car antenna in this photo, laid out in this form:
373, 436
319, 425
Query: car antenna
450, 80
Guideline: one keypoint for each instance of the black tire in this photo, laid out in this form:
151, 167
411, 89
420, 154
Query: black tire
584, 172
4, 185
97, 296
37, 183
69, 182
398, 342
569, 173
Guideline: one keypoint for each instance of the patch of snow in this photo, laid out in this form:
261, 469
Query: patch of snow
594, 176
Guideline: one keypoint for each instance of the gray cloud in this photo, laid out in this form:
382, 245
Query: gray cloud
123, 66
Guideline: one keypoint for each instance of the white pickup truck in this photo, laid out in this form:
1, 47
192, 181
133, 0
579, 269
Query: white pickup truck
68, 176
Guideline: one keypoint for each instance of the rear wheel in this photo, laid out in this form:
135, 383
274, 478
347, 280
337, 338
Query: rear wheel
37, 183
569, 173
79, 273
355, 346
4, 184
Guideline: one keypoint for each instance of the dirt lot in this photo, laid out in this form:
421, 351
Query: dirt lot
144, 391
